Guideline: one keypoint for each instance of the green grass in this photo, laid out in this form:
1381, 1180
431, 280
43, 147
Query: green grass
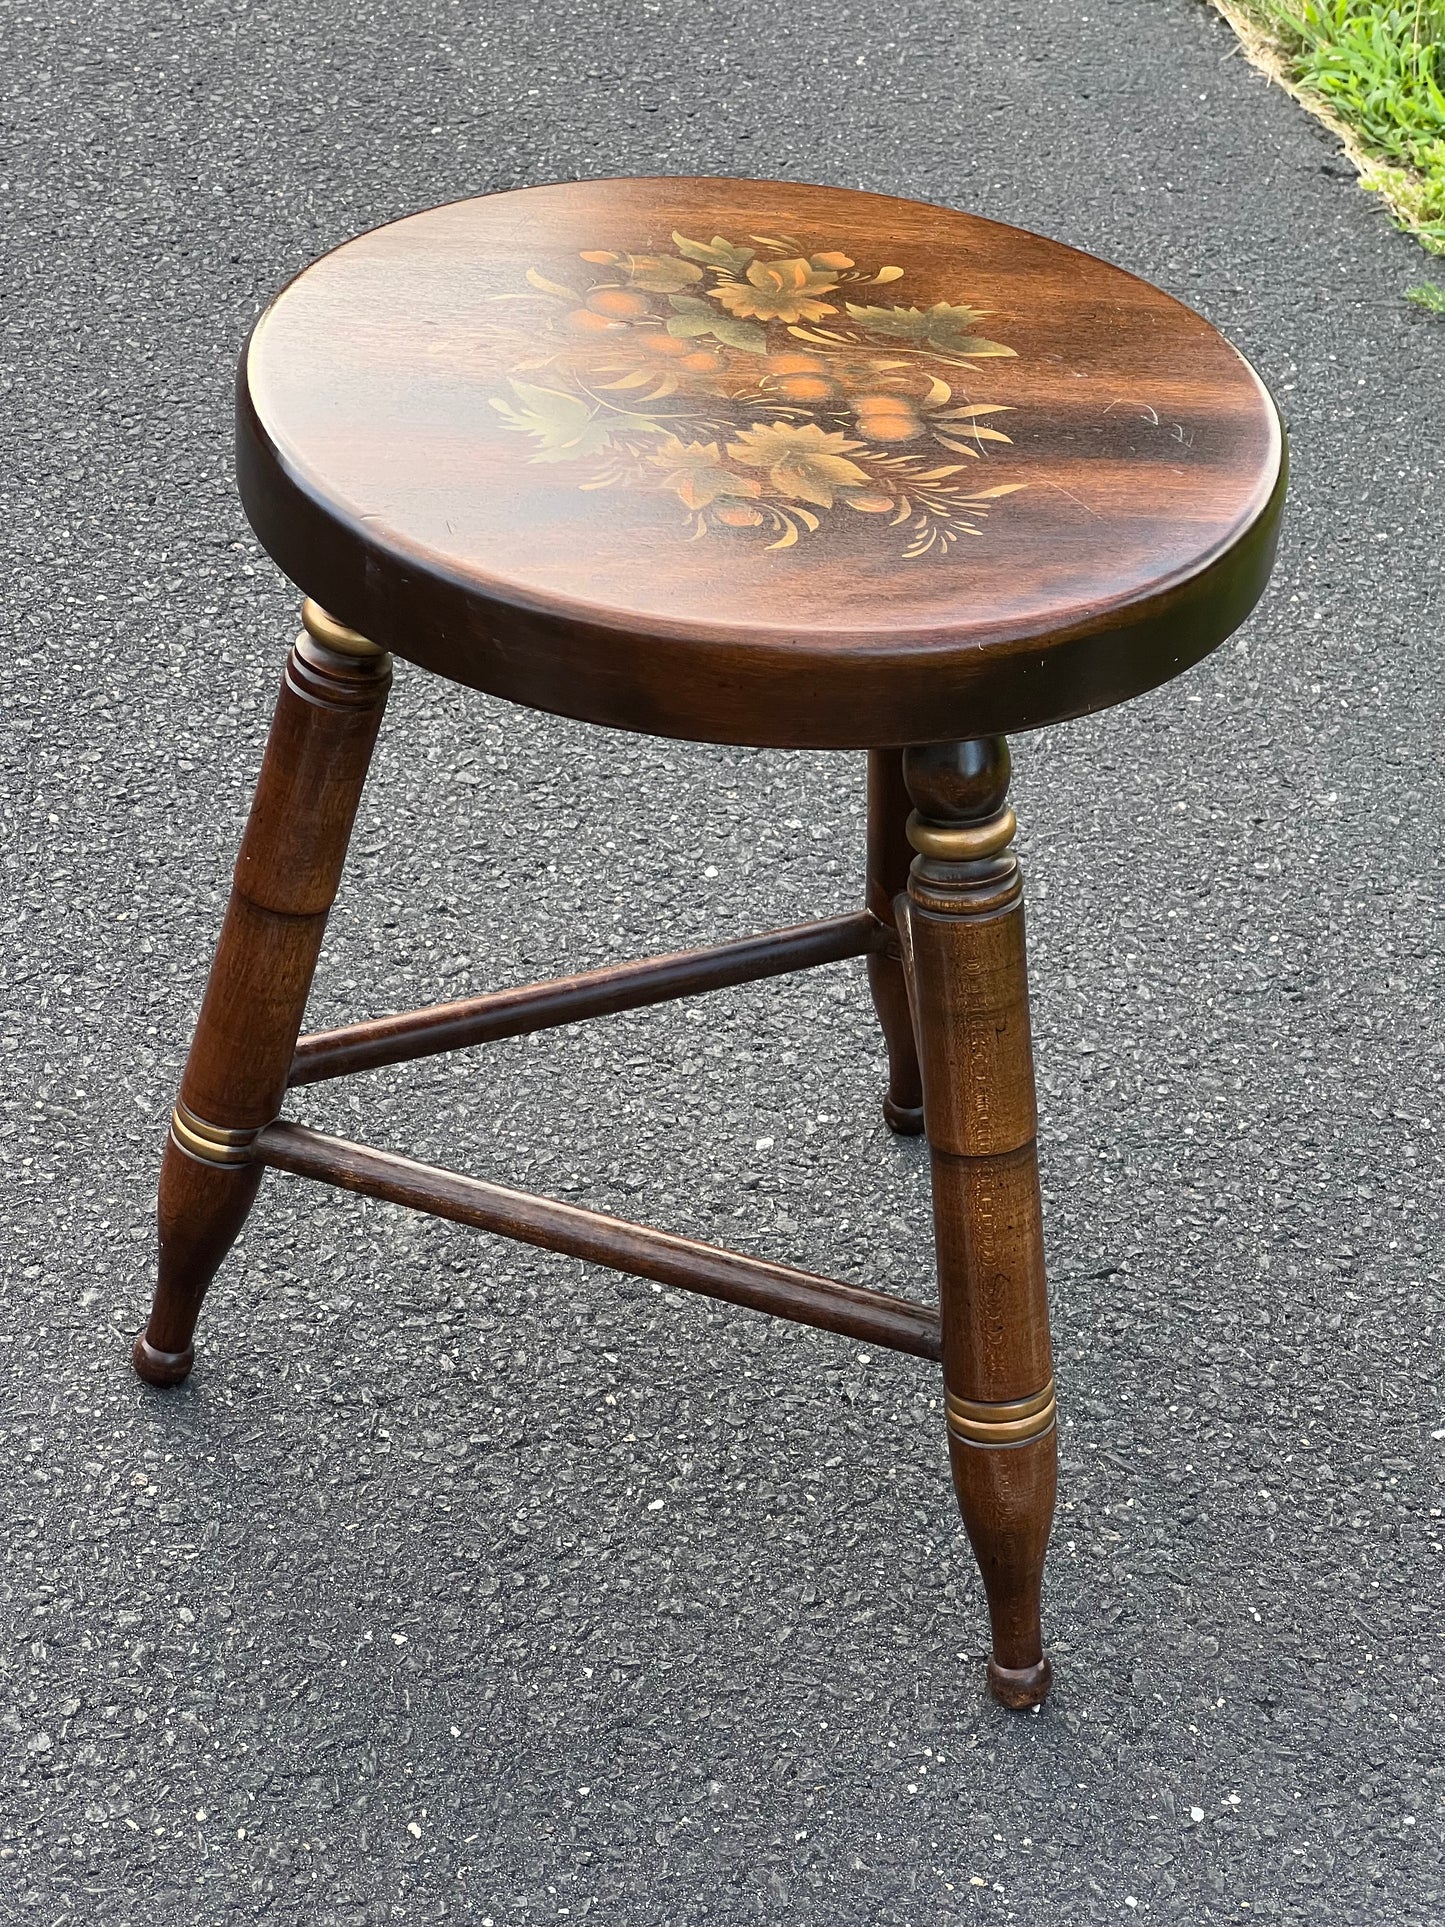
1379, 68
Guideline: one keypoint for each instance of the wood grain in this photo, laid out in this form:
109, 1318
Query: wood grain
375, 463
876, 1317
568, 1000
287, 873
966, 959
889, 855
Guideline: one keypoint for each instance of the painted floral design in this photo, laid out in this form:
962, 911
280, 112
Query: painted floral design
758, 387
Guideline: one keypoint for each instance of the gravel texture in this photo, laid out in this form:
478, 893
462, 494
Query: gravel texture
465, 1583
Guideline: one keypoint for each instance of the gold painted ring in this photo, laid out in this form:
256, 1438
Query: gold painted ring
964, 843
991, 1411
1007, 1422
209, 1142
335, 635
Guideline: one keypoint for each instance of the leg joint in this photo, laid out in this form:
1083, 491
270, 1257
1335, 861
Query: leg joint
335, 636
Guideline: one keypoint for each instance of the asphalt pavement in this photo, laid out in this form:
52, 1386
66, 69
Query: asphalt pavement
466, 1583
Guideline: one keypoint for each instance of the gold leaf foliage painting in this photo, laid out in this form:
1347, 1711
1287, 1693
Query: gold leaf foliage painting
756, 388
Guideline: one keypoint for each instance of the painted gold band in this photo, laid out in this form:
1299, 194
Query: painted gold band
208, 1141
1020, 1432
1011, 1423
989, 1411
335, 635
963, 843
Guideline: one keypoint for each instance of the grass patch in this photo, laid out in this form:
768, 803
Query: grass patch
1374, 71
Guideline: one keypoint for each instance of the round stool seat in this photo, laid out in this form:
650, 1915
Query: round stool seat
758, 462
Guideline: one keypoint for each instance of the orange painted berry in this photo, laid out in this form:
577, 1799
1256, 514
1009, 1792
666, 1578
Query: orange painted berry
582, 321
619, 304
658, 343
805, 388
889, 428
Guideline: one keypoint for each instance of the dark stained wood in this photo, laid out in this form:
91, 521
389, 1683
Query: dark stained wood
712, 486
889, 855
200, 1210
747, 463
875, 1317
568, 1000
287, 873
965, 955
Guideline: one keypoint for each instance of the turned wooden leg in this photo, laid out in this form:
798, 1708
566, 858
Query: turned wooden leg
965, 935
889, 854
287, 873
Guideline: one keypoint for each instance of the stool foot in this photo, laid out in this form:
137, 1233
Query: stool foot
904, 1120
1020, 1686
201, 1210
161, 1368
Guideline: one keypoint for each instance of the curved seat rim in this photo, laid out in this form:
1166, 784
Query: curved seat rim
499, 593
794, 690
761, 680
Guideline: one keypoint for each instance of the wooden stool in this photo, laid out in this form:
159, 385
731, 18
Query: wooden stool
738, 462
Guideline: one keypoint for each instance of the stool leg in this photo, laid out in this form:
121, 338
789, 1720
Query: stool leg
889, 855
965, 934
287, 873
